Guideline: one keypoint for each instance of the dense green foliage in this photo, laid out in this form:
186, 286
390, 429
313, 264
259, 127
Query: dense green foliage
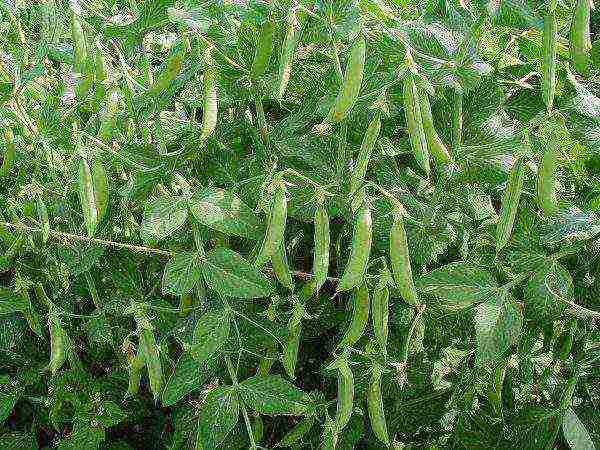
316, 224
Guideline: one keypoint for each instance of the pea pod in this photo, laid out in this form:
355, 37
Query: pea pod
136, 364
360, 316
297, 433
276, 224
287, 55
553, 134
580, 41
549, 58
375, 406
564, 343
151, 356
211, 97
80, 53
108, 121
400, 260
93, 193
264, 49
359, 254
414, 122
510, 204
368, 143
281, 267
290, 350
321, 251
58, 341
345, 398
10, 152
171, 70
380, 309
435, 145
352, 82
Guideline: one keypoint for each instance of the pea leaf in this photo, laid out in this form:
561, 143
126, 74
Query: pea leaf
212, 330
182, 273
162, 217
273, 395
218, 415
11, 302
188, 375
575, 432
228, 273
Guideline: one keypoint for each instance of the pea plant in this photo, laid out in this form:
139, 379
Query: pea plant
306, 224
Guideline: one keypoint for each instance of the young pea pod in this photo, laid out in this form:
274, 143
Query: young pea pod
360, 316
414, 122
297, 433
375, 406
80, 53
135, 366
264, 49
151, 356
553, 133
321, 251
93, 193
170, 71
276, 224
345, 399
351, 84
549, 57
211, 97
368, 143
58, 340
290, 350
510, 204
400, 260
564, 343
435, 145
359, 254
580, 41
108, 121
281, 267
287, 55
380, 309
10, 152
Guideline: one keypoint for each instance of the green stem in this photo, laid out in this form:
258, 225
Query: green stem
233, 376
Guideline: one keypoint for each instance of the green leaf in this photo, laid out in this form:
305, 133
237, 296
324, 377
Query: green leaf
273, 395
182, 273
458, 284
498, 324
571, 225
83, 437
162, 217
546, 292
11, 302
218, 415
225, 212
575, 432
110, 414
18, 441
10, 392
189, 375
212, 331
228, 273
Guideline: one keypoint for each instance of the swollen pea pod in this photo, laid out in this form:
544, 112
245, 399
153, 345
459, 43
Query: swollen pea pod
80, 53
580, 41
400, 259
58, 341
171, 70
549, 57
345, 398
101, 76
264, 49
380, 308
108, 121
135, 366
351, 84
10, 152
290, 349
360, 316
150, 353
211, 96
287, 55
510, 204
414, 122
276, 224
366, 148
359, 254
322, 241
281, 268
93, 193
553, 132
375, 405
435, 145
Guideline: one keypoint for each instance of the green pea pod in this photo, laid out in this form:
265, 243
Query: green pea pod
290, 350
368, 144
93, 193
276, 225
495, 387
565, 341
400, 260
42, 213
10, 152
549, 59
281, 267
287, 55
151, 356
359, 254
100, 77
210, 97
380, 309
435, 145
136, 364
345, 398
510, 204
264, 49
86, 81
58, 341
108, 121
375, 406
321, 250
80, 53
297, 433
352, 82
171, 70
360, 316
414, 123
553, 134
580, 41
